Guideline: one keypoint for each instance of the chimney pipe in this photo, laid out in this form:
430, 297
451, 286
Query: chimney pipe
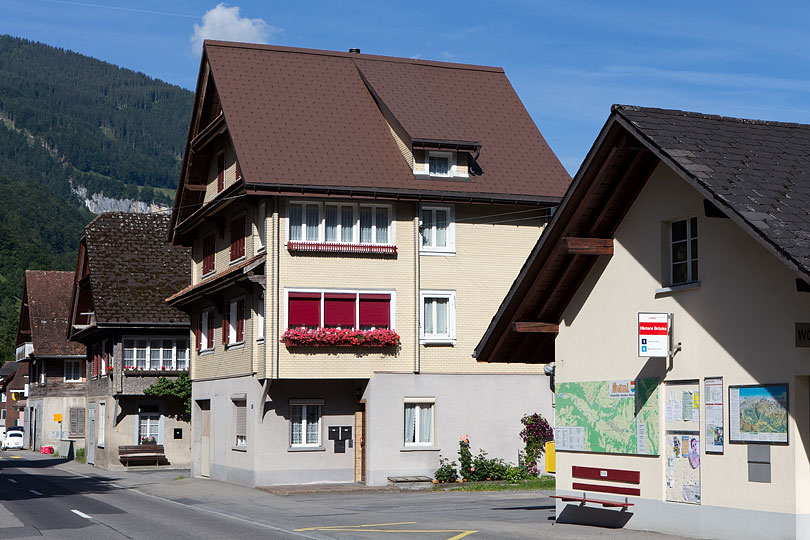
354, 50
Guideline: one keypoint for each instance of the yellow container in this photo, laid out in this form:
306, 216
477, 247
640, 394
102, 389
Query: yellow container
551, 457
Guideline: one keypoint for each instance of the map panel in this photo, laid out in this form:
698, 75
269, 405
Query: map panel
616, 417
759, 413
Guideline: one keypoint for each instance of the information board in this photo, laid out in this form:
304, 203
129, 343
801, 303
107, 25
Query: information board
758, 413
714, 437
653, 334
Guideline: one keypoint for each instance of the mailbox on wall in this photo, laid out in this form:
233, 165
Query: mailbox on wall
340, 434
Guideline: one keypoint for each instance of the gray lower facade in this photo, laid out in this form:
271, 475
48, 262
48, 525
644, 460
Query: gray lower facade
356, 430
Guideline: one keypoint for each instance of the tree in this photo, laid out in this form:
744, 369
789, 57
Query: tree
179, 388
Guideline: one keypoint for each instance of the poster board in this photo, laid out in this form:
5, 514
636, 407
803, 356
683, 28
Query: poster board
714, 435
615, 417
758, 413
682, 441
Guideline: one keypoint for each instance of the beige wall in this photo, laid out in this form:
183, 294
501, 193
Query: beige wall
738, 324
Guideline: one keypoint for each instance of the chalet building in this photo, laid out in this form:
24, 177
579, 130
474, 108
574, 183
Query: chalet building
673, 306
353, 221
56, 371
132, 338
13, 392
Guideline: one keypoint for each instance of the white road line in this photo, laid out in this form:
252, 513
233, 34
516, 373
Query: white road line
35, 492
12, 480
81, 514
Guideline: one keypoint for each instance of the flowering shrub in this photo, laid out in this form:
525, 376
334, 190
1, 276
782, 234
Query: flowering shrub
536, 433
333, 337
465, 459
446, 471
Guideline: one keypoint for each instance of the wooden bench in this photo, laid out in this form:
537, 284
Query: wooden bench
141, 452
602, 475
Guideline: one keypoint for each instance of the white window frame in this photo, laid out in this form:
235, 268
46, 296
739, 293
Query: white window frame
101, 422
355, 227
689, 258
418, 403
205, 316
260, 316
357, 292
450, 337
147, 367
304, 403
159, 413
77, 368
240, 441
450, 248
261, 229
451, 162
232, 318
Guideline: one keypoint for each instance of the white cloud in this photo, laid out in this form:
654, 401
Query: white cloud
224, 23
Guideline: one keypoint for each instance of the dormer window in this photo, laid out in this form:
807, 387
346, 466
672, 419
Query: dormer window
440, 163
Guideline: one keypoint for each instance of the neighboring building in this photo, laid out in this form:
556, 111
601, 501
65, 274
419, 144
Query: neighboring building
390, 198
13, 391
125, 270
55, 364
704, 220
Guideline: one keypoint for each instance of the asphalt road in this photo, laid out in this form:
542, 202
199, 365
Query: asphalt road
45, 497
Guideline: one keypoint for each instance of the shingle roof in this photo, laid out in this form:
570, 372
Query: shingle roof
758, 169
306, 117
133, 268
48, 295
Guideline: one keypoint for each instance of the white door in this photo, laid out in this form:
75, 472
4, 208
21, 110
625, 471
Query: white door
91, 433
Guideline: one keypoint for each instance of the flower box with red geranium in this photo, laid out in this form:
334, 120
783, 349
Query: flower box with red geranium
334, 337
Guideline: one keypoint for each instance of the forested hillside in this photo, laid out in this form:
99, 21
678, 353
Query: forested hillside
71, 117
67, 122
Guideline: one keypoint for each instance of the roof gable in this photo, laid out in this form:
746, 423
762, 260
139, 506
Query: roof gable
46, 300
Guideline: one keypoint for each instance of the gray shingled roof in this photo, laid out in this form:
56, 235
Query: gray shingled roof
133, 268
759, 170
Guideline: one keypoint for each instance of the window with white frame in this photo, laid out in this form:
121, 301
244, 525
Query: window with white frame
236, 321
305, 424
260, 228
205, 330
365, 310
2, 397
73, 371
440, 163
102, 417
260, 317
438, 229
683, 251
438, 324
149, 423
240, 408
343, 223
418, 422
169, 353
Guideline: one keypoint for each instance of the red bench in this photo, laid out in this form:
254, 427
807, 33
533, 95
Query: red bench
585, 499
599, 474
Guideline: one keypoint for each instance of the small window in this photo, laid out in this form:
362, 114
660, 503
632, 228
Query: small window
241, 423
260, 317
236, 322
209, 255
440, 163
76, 424
305, 425
205, 331
418, 424
149, 423
261, 228
683, 251
73, 371
437, 229
101, 421
438, 324
237, 238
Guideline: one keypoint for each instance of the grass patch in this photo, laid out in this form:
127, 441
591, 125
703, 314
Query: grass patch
543, 482
179, 477
80, 455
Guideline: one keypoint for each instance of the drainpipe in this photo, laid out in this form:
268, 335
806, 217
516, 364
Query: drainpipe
417, 278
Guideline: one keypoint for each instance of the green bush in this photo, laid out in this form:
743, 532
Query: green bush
80, 455
446, 471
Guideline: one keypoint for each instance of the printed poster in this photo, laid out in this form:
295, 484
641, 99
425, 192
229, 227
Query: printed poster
713, 399
759, 413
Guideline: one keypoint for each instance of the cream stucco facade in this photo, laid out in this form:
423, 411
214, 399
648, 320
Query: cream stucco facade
736, 323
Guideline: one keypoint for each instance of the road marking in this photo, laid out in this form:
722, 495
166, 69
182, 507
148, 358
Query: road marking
81, 514
35, 492
12, 480
367, 528
16, 457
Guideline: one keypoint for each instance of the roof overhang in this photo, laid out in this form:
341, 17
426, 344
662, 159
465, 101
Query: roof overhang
217, 283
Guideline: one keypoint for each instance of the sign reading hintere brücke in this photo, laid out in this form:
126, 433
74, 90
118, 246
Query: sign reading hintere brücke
653, 334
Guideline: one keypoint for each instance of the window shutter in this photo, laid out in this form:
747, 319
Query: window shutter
241, 418
375, 310
74, 422
339, 310
240, 321
210, 344
238, 238
80, 416
225, 325
220, 171
208, 254
198, 332
238, 171
304, 310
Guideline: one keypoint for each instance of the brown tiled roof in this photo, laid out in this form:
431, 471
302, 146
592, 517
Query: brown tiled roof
133, 268
306, 117
220, 278
48, 295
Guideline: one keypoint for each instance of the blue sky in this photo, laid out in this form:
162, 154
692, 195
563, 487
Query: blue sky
568, 60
